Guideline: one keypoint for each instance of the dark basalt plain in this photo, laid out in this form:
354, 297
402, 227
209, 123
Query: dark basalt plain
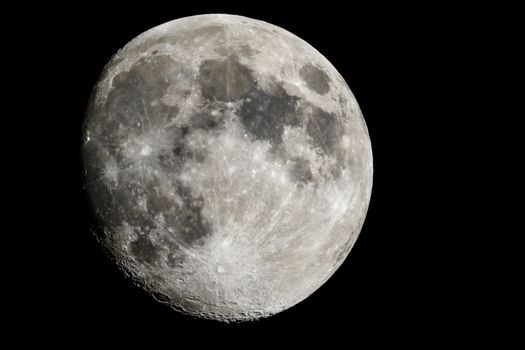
315, 79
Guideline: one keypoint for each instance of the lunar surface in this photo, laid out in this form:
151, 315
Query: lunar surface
228, 166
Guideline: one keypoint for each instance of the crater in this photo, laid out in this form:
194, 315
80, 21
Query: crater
161, 297
175, 259
316, 79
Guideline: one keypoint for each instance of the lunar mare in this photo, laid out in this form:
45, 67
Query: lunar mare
228, 165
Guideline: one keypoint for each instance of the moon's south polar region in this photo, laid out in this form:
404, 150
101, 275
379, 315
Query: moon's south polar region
228, 165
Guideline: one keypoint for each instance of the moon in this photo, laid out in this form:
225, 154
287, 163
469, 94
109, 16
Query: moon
228, 166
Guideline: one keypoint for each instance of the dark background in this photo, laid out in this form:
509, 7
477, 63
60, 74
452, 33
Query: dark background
408, 68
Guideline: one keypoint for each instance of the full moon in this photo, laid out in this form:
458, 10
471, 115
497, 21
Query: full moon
228, 166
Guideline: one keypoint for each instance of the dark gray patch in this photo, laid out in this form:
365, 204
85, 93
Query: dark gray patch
300, 170
143, 250
337, 169
158, 278
157, 202
169, 241
324, 129
131, 188
133, 215
124, 104
128, 109
103, 204
265, 114
247, 51
326, 132
204, 121
118, 205
225, 80
171, 160
204, 31
181, 154
316, 79
186, 219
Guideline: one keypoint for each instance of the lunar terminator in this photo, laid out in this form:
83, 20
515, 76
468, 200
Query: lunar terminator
228, 165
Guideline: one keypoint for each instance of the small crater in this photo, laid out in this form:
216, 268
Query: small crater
160, 297
316, 79
174, 260
178, 149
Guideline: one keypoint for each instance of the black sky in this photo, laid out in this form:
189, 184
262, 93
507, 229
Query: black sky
406, 68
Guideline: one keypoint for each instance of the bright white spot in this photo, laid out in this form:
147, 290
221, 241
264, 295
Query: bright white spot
146, 150
221, 269
111, 171
345, 141
169, 100
141, 202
